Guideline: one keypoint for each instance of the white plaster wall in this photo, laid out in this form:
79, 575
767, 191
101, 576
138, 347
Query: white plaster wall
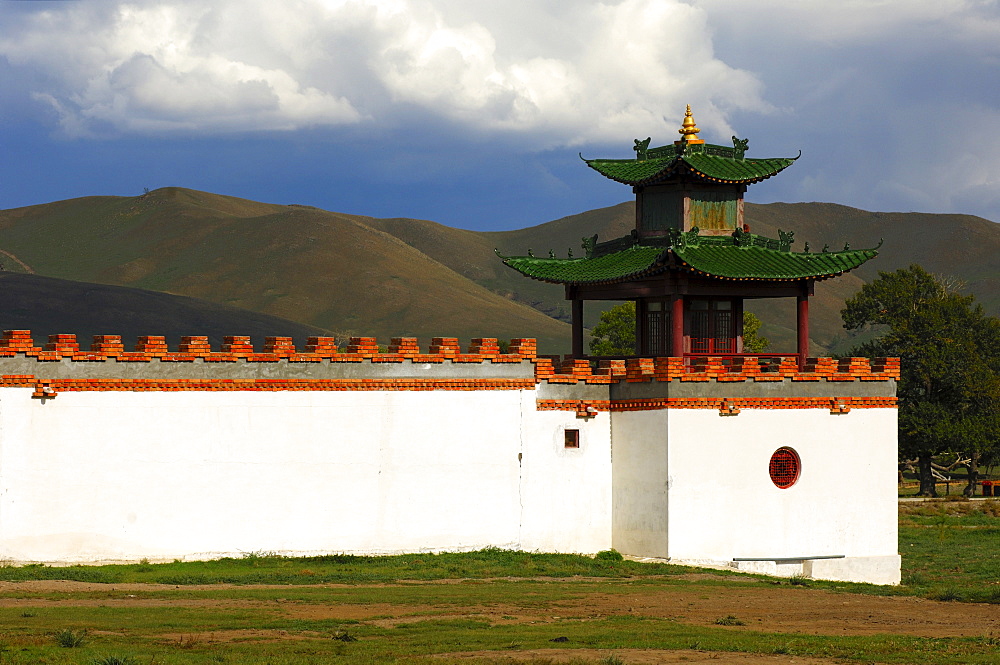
723, 505
566, 492
124, 475
640, 477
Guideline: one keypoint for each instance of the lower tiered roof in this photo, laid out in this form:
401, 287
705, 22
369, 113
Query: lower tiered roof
741, 256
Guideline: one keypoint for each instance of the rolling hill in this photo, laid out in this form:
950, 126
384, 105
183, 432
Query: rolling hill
389, 277
47, 305
962, 247
323, 269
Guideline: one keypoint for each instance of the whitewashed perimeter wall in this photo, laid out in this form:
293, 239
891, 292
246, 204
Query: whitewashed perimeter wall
695, 487
120, 475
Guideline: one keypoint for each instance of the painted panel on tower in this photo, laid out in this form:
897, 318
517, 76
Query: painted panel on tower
713, 211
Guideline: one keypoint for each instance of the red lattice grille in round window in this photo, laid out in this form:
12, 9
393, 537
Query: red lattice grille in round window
784, 467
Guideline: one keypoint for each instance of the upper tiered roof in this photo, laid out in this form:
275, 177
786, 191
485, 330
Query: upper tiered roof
692, 157
705, 161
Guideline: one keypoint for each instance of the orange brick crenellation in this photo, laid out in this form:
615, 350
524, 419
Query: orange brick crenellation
550, 369
235, 348
703, 369
729, 404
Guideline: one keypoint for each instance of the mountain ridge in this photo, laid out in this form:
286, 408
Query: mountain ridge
49, 305
355, 274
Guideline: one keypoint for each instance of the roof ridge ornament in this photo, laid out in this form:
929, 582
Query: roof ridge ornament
783, 243
740, 147
641, 147
689, 129
786, 240
678, 239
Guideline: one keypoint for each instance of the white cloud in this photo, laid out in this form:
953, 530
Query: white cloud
157, 67
560, 74
871, 90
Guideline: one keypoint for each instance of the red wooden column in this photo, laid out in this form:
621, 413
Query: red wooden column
802, 327
577, 328
677, 326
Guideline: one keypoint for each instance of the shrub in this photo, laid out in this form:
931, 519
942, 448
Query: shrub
798, 580
70, 639
990, 507
947, 595
115, 660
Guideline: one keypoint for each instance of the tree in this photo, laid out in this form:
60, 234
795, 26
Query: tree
753, 342
615, 334
949, 350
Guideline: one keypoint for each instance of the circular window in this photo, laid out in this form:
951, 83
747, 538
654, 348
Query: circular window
784, 467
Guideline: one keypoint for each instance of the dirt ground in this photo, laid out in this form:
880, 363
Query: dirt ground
760, 606
652, 657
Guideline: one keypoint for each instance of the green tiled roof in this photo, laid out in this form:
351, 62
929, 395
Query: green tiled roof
621, 266
711, 162
757, 263
742, 256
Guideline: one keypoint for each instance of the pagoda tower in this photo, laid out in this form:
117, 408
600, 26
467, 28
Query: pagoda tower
691, 260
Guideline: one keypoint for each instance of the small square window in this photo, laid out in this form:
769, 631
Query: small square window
572, 438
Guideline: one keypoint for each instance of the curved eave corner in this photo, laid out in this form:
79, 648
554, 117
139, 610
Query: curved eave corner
574, 271
646, 176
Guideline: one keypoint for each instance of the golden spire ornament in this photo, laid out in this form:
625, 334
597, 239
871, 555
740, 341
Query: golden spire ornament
689, 130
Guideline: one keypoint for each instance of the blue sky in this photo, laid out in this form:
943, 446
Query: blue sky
471, 113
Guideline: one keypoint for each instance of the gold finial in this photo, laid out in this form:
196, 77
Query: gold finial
689, 130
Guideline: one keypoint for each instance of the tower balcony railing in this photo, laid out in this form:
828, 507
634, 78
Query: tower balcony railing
767, 362
694, 362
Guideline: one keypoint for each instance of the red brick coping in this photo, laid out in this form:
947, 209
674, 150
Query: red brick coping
365, 349
52, 387
638, 370
726, 406
238, 348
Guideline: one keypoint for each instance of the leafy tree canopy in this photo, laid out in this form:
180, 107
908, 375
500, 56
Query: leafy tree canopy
615, 334
949, 350
753, 342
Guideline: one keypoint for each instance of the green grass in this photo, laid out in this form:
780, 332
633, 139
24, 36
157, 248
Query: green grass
262, 568
950, 552
153, 636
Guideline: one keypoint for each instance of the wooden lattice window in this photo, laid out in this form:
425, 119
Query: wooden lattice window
785, 467
712, 326
656, 325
